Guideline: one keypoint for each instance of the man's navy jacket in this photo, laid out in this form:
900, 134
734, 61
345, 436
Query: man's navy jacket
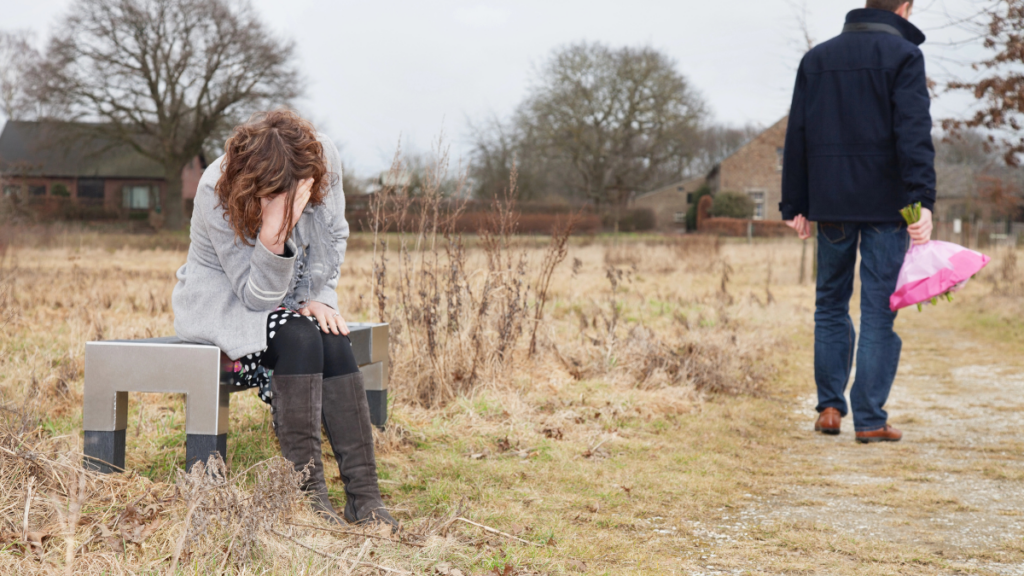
859, 145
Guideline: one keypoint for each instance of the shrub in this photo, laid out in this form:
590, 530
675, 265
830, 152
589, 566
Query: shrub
631, 220
691, 213
732, 205
60, 190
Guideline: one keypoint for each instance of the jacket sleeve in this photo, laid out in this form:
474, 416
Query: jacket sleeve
336, 203
912, 124
259, 278
795, 197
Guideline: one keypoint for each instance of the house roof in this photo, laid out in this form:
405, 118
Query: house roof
69, 150
716, 167
690, 185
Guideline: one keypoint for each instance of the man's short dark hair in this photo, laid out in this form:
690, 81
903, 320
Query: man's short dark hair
890, 5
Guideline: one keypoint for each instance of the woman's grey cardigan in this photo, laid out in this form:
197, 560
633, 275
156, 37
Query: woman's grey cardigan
226, 290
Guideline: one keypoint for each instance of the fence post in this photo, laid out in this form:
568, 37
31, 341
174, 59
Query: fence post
750, 231
803, 262
814, 231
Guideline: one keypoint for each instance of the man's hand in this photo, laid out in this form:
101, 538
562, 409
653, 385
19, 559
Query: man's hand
921, 232
274, 228
802, 226
330, 320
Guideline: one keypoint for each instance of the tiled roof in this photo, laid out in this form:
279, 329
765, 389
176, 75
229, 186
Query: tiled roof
69, 149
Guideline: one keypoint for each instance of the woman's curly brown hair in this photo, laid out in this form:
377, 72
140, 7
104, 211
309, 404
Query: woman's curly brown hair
270, 154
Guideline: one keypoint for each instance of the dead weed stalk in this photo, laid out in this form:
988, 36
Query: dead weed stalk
140, 522
456, 322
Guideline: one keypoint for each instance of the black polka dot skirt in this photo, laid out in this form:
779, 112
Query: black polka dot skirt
250, 371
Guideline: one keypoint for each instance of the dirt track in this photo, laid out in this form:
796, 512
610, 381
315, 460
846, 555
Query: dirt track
954, 486
952, 489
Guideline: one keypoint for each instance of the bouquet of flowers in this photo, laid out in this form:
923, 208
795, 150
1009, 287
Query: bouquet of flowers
934, 270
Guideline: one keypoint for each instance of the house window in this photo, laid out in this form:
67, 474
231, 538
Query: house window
679, 217
780, 153
12, 190
689, 198
90, 189
136, 197
758, 197
37, 190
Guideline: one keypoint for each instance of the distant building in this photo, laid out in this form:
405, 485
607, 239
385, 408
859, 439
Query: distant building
968, 193
62, 159
755, 170
987, 196
670, 203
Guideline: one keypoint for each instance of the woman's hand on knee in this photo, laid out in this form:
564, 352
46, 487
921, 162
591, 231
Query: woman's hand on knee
329, 319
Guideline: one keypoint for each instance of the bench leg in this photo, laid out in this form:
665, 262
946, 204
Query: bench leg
199, 448
105, 419
206, 425
375, 381
378, 401
104, 451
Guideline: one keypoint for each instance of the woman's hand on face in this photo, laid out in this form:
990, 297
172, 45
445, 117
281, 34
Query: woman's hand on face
330, 320
273, 215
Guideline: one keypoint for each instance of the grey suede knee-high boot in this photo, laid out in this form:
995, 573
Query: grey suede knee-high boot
346, 416
296, 405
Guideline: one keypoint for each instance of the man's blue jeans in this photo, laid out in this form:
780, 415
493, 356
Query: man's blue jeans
882, 249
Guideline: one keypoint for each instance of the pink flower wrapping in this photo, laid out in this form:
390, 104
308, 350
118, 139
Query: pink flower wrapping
933, 269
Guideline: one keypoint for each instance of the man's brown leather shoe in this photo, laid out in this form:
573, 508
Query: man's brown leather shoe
884, 434
828, 421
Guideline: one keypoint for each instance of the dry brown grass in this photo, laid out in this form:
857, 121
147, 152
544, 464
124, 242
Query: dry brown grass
465, 320
664, 345
660, 370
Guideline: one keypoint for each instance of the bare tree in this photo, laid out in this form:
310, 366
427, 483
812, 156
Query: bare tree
805, 42
959, 161
496, 149
715, 143
17, 57
499, 147
620, 120
973, 174
1000, 90
163, 76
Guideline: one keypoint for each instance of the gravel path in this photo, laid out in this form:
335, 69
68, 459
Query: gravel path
954, 485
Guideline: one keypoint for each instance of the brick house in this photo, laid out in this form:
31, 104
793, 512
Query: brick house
670, 203
41, 160
755, 170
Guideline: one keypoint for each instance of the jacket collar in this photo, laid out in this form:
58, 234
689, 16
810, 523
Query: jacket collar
871, 16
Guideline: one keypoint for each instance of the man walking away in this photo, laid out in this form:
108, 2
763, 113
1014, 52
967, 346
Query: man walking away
858, 149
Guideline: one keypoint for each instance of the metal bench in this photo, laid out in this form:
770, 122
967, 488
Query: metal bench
201, 372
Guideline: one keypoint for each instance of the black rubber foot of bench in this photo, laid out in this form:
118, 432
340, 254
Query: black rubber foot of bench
378, 401
104, 451
199, 447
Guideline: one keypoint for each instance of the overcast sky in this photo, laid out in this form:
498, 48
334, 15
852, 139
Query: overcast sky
386, 69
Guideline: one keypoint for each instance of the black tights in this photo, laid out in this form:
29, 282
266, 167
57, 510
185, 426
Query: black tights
300, 347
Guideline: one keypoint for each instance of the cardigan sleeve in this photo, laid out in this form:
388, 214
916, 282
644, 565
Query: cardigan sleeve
258, 277
336, 203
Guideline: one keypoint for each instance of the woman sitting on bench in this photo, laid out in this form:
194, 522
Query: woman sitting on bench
268, 237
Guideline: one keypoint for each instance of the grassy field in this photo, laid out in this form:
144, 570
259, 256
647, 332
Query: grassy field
660, 425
